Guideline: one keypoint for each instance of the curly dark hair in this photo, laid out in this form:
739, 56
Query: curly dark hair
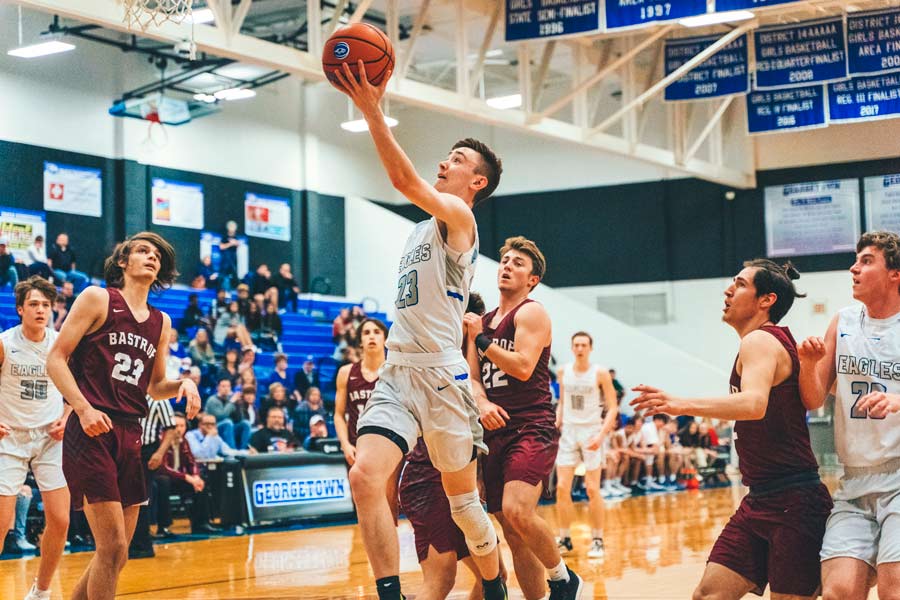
491, 167
886, 241
114, 274
35, 282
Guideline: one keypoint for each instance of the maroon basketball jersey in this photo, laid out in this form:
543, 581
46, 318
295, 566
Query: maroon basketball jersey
359, 390
777, 445
113, 365
525, 401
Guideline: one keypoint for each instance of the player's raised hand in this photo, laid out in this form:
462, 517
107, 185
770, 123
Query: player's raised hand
189, 389
94, 422
492, 415
879, 404
653, 401
365, 96
811, 350
4, 431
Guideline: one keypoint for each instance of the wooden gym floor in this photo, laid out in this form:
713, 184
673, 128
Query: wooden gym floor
656, 548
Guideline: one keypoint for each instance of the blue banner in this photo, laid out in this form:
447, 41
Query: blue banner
865, 98
792, 55
723, 74
530, 19
723, 5
631, 13
873, 42
786, 110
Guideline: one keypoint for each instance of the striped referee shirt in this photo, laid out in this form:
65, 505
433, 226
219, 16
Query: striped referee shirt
160, 418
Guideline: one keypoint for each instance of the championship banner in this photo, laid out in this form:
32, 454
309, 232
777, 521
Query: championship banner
786, 110
621, 14
819, 217
73, 190
540, 19
864, 99
725, 5
20, 227
723, 74
873, 42
267, 217
883, 203
792, 55
177, 204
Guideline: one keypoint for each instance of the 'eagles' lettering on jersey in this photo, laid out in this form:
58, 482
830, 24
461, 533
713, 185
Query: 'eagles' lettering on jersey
420, 253
863, 365
130, 339
18, 370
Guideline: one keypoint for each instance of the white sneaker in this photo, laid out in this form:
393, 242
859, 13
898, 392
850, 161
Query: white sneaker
35, 594
24, 545
596, 550
625, 491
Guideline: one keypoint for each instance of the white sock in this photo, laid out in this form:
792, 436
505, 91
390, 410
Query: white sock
673, 478
559, 572
597, 534
564, 533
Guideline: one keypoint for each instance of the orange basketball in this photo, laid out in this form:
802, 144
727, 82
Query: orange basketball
354, 42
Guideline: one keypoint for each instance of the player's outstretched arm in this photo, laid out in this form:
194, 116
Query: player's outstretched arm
447, 208
161, 388
533, 334
759, 359
340, 410
87, 314
817, 367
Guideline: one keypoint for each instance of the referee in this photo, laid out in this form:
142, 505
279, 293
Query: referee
158, 433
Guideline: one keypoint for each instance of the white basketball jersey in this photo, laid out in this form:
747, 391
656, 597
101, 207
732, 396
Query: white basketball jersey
867, 359
582, 401
28, 398
432, 293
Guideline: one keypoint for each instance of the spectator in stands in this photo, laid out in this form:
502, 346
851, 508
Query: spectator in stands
175, 347
271, 327
357, 316
228, 255
201, 351
248, 362
219, 305
235, 432
246, 401
253, 320
181, 474
15, 542
277, 397
261, 280
8, 273
210, 276
61, 259
288, 288
317, 429
67, 293
306, 378
205, 441
230, 328
311, 405
193, 315
279, 374
60, 311
273, 437
37, 259
689, 437
243, 299
339, 326
230, 366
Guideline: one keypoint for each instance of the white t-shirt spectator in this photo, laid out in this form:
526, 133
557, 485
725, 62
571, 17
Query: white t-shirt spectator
649, 433
35, 254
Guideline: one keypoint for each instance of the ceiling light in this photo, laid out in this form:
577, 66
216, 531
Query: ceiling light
208, 98
505, 102
235, 94
41, 49
715, 18
201, 16
360, 125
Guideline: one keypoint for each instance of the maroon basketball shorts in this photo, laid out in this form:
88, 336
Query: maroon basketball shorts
775, 540
105, 468
525, 453
425, 504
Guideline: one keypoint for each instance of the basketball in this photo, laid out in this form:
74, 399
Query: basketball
359, 41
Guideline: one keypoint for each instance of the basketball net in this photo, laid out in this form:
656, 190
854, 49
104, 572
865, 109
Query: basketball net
141, 14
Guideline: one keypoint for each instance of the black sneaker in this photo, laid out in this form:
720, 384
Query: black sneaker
134, 553
495, 590
564, 545
566, 590
10, 545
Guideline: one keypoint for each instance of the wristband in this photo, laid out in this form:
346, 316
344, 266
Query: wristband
482, 342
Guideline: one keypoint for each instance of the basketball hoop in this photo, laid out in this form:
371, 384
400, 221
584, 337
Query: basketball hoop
141, 14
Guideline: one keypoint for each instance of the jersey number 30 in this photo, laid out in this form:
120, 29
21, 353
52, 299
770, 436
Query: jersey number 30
124, 366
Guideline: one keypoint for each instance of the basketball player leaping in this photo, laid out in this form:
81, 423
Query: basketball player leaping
109, 355
510, 349
584, 389
861, 352
32, 420
424, 384
775, 536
